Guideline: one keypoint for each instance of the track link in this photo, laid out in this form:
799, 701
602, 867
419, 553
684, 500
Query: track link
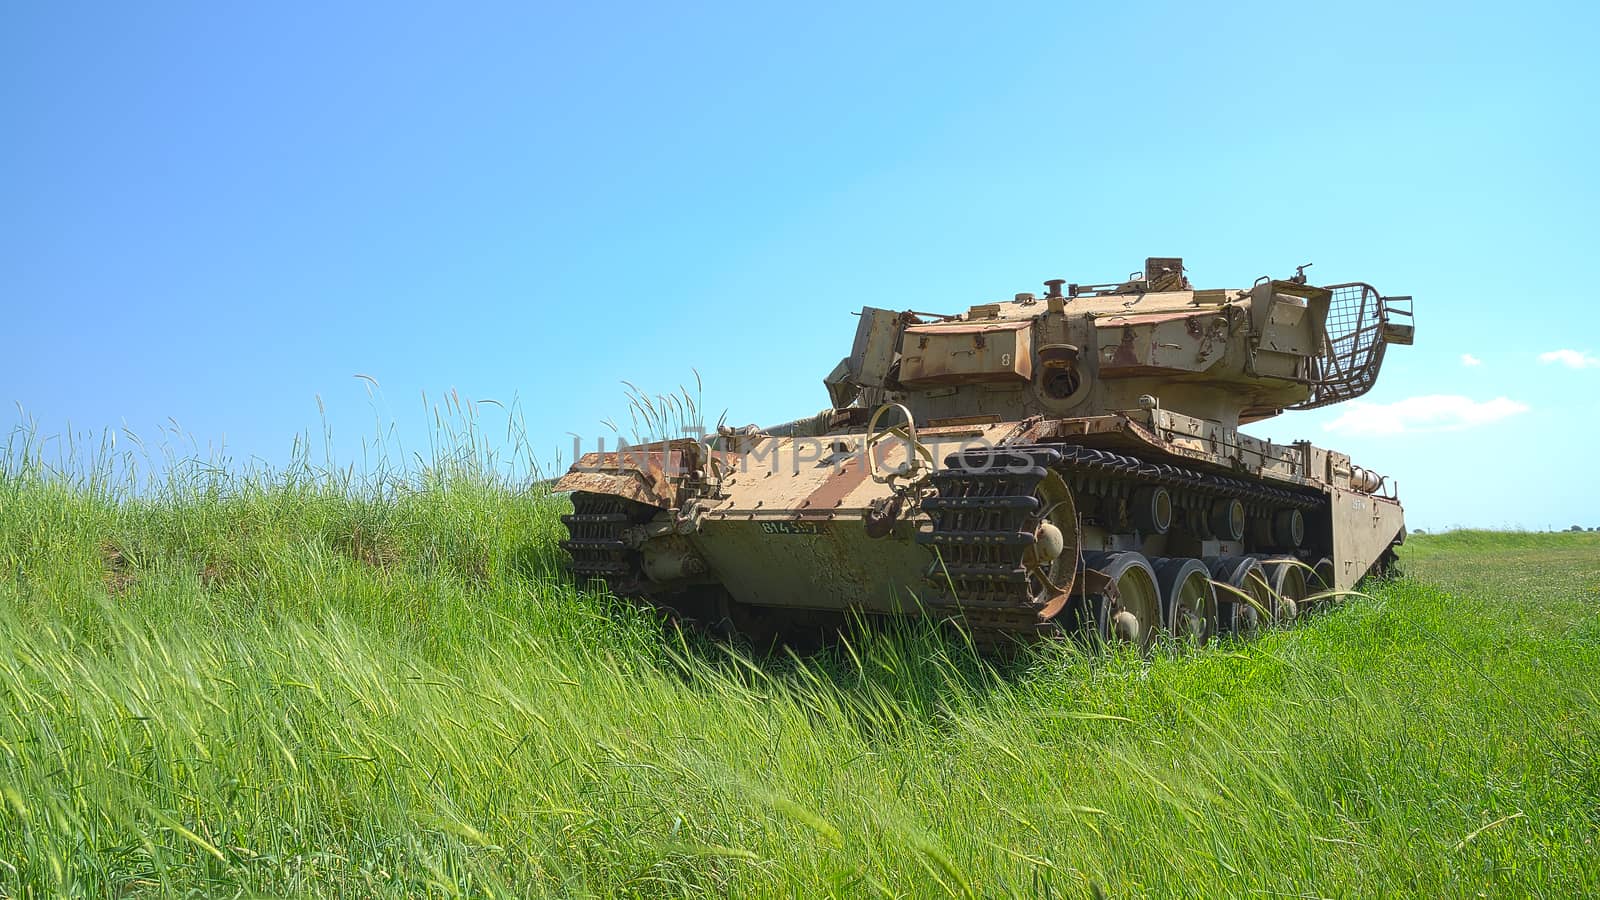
596, 541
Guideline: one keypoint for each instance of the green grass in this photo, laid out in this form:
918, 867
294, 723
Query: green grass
305, 683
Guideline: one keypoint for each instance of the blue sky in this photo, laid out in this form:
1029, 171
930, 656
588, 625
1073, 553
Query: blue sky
218, 214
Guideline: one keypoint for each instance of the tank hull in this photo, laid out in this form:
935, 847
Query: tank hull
813, 523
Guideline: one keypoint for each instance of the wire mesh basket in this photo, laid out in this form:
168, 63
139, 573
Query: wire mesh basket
1353, 344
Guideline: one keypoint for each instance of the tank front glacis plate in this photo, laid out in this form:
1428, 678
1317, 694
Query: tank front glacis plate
816, 563
790, 529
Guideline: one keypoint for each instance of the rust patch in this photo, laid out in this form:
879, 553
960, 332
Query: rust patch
1124, 354
651, 489
647, 474
1082, 426
831, 493
958, 421
968, 328
952, 431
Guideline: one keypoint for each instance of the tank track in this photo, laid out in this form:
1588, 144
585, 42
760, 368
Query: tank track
986, 501
980, 514
596, 543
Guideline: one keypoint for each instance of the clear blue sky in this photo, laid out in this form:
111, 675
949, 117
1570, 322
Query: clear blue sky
216, 213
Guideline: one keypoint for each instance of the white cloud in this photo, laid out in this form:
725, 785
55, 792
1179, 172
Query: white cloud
1435, 412
1467, 359
1572, 359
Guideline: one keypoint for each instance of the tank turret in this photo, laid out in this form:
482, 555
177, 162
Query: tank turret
1228, 355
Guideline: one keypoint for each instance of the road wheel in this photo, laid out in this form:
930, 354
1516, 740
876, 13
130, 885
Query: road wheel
1287, 579
1244, 599
1124, 597
1188, 600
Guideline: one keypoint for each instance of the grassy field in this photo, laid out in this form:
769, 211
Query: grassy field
286, 684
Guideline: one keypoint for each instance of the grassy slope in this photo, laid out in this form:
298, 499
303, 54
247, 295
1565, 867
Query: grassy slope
269, 686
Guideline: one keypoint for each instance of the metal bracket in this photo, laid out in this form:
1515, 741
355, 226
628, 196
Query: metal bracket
919, 462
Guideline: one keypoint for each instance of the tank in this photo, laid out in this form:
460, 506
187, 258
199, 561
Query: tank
1064, 462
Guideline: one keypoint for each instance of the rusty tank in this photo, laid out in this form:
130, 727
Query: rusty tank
1070, 461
